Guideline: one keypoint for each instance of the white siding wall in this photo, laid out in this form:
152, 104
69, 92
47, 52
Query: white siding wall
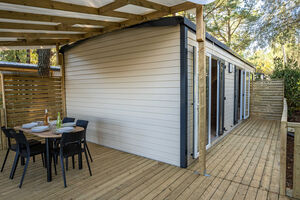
127, 84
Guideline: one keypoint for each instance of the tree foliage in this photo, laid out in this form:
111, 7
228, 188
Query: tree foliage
25, 56
278, 30
290, 73
230, 21
279, 22
263, 60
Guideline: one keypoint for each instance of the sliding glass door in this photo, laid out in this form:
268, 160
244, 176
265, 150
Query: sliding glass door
236, 116
208, 99
242, 89
221, 97
247, 95
215, 87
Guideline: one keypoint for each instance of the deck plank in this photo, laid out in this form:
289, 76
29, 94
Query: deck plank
243, 165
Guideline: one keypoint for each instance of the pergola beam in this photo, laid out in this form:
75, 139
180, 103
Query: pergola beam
11, 25
112, 6
35, 42
65, 23
183, 6
49, 4
109, 10
52, 18
150, 16
150, 5
41, 35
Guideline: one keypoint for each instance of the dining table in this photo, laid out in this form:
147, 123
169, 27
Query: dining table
49, 136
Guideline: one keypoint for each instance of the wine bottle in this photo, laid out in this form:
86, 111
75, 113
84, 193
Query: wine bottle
46, 118
58, 123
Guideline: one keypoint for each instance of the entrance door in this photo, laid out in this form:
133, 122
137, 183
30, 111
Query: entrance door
247, 95
215, 79
195, 102
237, 89
221, 97
208, 99
242, 94
193, 105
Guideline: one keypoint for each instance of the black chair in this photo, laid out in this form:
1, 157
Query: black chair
13, 147
71, 145
68, 119
84, 124
24, 150
56, 141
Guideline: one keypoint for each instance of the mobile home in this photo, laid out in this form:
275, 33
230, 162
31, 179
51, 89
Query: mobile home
138, 88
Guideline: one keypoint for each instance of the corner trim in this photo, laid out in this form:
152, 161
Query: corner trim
183, 95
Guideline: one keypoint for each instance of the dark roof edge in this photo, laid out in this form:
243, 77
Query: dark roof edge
215, 41
24, 66
171, 21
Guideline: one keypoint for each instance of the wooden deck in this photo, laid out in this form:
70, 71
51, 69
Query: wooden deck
244, 165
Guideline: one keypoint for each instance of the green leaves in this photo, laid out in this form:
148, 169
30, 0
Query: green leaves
290, 73
279, 21
230, 21
21, 56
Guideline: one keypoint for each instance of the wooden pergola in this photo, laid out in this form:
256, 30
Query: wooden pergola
53, 23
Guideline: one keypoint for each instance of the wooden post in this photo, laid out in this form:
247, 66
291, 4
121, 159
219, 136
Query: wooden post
63, 88
3, 112
202, 134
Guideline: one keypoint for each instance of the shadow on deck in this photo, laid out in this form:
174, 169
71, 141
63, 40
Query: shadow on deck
244, 165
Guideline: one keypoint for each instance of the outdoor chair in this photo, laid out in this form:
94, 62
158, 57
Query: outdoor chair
13, 147
71, 145
24, 150
56, 141
68, 119
84, 124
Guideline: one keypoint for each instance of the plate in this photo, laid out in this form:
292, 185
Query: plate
39, 129
65, 130
69, 124
29, 125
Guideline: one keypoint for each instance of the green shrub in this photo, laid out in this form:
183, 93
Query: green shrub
290, 73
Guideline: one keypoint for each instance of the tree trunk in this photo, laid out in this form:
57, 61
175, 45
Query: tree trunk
228, 29
44, 62
284, 55
28, 56
17, 56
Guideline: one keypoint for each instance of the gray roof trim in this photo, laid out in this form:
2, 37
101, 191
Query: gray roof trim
171, 21
24, 65
215, 41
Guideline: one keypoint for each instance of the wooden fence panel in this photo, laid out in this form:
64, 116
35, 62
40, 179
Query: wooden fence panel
267, 99
25, 98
